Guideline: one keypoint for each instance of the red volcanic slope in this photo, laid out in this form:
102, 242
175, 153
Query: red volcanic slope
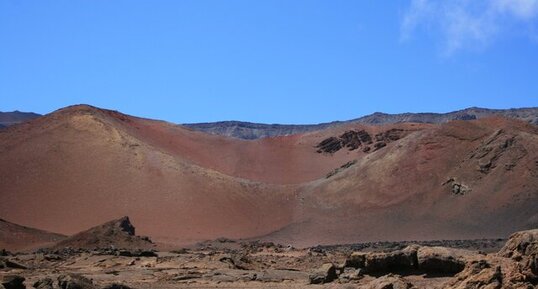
15, 237
81, 166
459, 180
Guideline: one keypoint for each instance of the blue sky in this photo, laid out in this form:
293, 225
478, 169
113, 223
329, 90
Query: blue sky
268, 61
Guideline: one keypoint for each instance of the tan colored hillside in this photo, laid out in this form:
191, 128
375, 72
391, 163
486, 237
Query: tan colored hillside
82, 166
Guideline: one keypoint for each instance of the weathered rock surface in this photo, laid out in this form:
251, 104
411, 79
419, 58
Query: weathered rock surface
74, 281
329, 145
227, 263
354, 139
384, 262
513, 267
441, 260
479, 274
325, 274
45, 283
521, 244
6, 263
424, 259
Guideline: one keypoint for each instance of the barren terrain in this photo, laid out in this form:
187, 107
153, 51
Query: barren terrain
114, 263
81, 166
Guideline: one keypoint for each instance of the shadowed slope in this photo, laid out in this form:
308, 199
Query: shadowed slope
15, 237
14, 117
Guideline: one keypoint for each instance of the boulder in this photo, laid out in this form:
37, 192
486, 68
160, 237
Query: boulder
350, 274
478, 274
6, 263
399, 260
356, 260
13, 282
74, 281
325, 274
440, 260
521, 244
45, 283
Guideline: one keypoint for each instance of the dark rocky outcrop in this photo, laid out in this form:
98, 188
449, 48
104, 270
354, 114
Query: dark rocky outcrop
45, 283
329, 145
6, 263
351, 140
354, 139
13, 282
379, 145
74, 281
390, 135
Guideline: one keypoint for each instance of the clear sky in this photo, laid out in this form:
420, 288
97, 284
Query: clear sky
284, 61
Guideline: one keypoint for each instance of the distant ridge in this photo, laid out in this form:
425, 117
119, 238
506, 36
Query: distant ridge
14, 117
248, 130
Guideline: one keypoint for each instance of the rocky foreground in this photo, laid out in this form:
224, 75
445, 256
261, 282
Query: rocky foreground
229, 264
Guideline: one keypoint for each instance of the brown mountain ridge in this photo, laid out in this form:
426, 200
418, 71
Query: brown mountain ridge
82, 166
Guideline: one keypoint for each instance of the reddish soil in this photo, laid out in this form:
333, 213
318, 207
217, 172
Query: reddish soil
82, 166
15, 237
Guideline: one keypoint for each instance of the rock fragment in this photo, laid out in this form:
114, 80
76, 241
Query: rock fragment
325, 274
74, 281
